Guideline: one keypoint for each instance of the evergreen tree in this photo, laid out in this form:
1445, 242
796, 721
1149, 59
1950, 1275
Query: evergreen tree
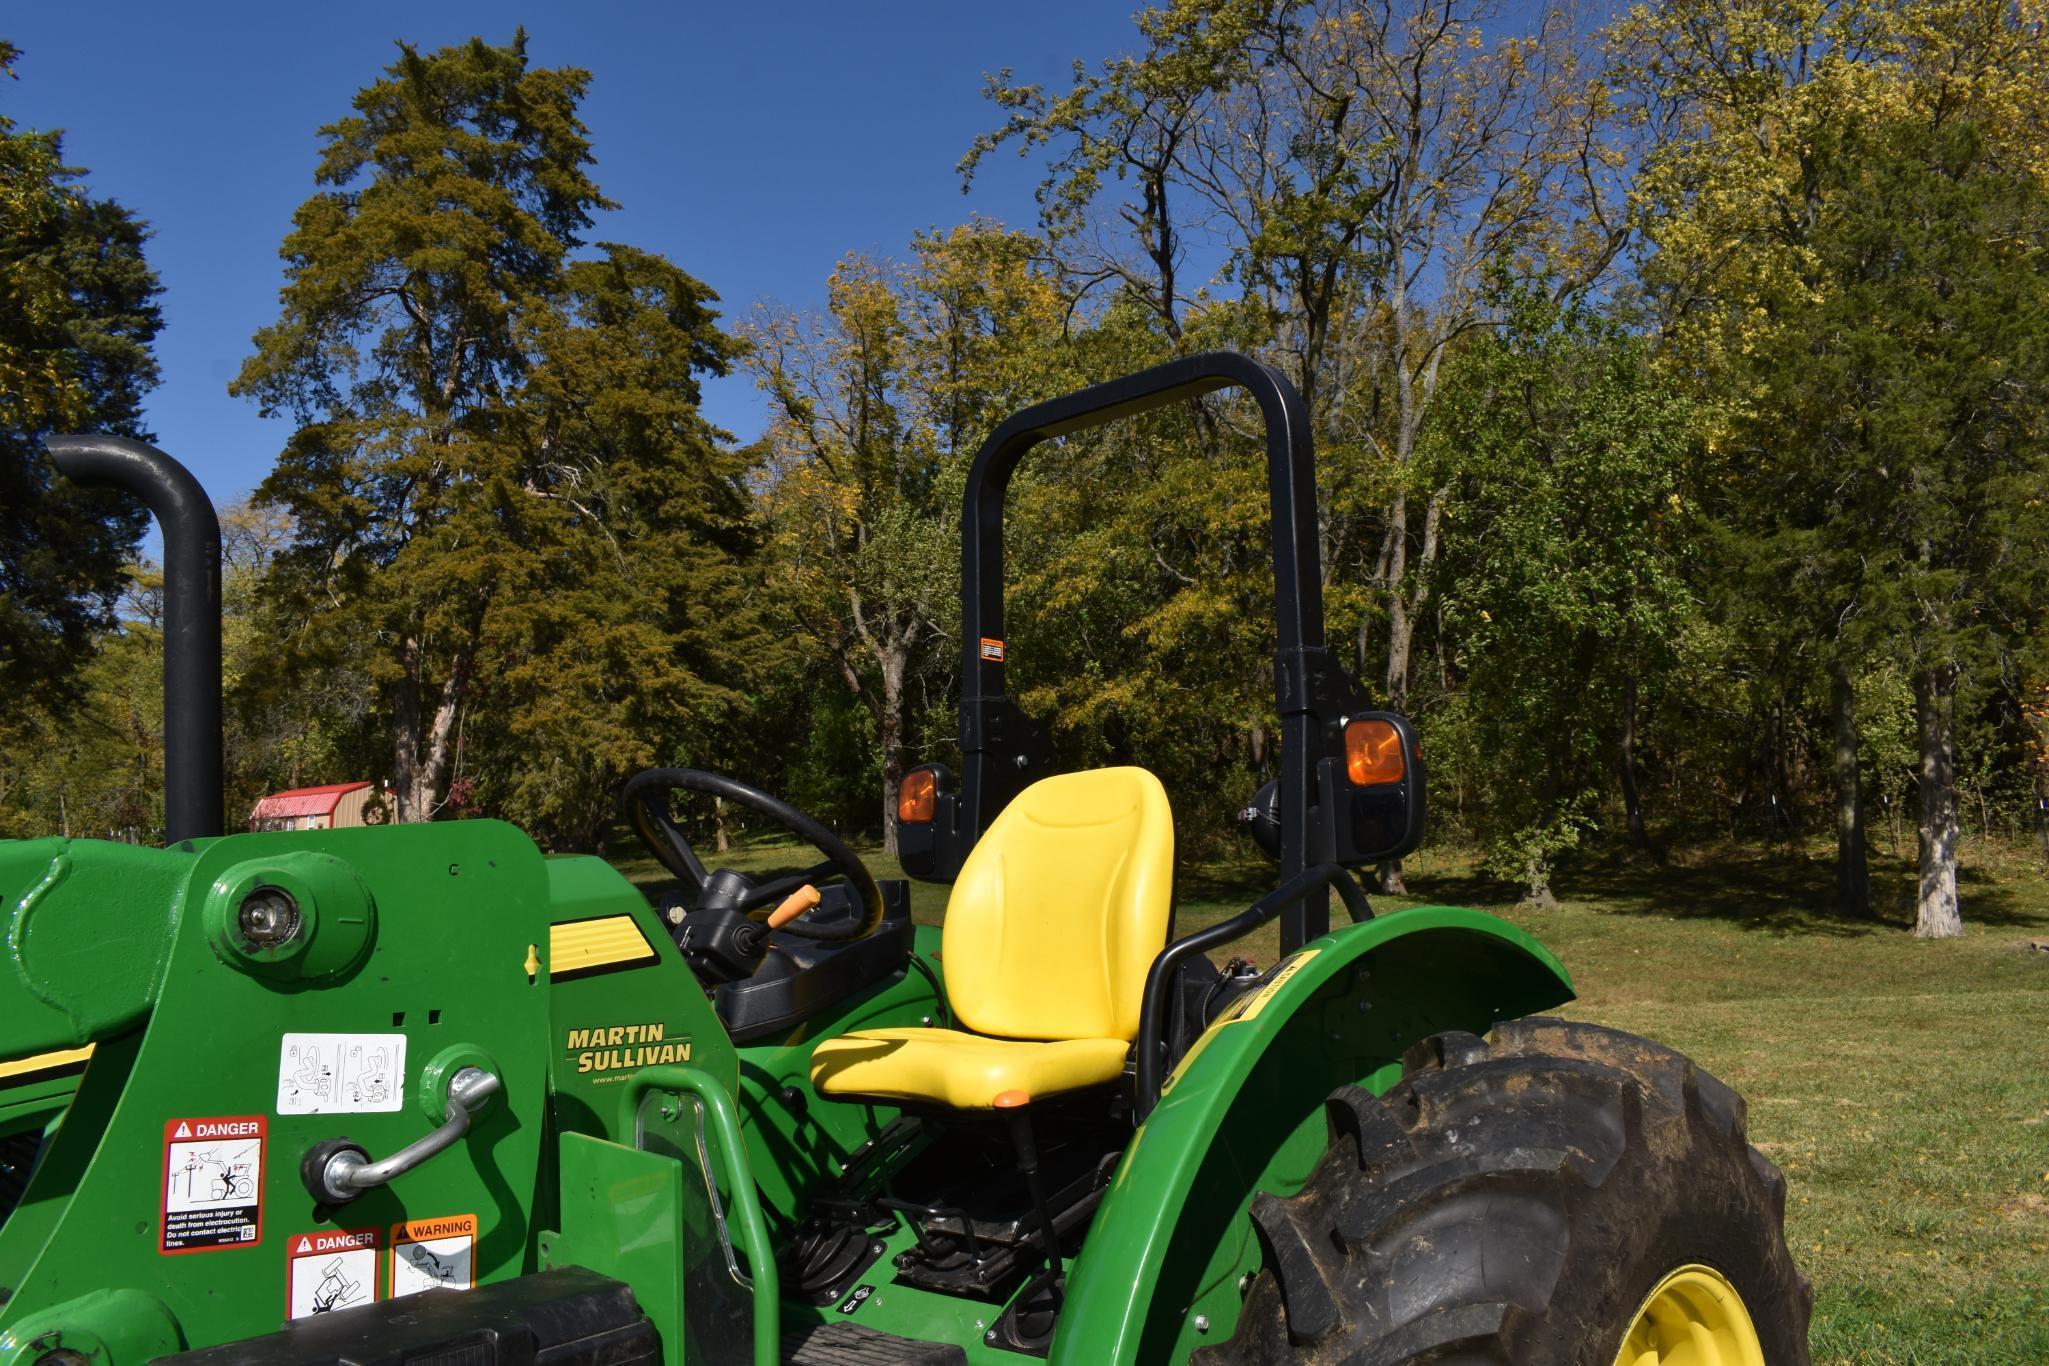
503, 494
77, 316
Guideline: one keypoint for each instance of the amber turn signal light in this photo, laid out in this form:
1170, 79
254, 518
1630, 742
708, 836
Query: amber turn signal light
917, 797
1373, 753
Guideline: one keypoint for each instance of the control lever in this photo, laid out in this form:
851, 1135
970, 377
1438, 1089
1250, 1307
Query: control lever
338, 1170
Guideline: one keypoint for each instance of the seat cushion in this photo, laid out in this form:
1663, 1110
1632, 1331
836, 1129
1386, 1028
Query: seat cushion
964, 1071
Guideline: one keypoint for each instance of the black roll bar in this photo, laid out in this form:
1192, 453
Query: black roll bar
192, 615
1003, 750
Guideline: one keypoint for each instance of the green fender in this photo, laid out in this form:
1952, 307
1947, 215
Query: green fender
1243, 1112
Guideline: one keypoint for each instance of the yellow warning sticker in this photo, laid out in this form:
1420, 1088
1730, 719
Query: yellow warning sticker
1244, 1008
1259, 998
434, 1254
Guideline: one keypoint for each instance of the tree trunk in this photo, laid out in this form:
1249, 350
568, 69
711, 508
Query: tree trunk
1625, 765
1400, 630
1853, 871
2042, 809
423, 745
1936, 913
890, 724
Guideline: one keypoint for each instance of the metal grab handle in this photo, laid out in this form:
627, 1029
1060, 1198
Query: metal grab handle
344, 1171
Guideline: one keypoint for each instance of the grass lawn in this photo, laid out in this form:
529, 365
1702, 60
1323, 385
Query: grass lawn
1903, 1087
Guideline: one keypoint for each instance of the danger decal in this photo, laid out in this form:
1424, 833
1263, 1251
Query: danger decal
434, 1254
213, 1183
330, 1269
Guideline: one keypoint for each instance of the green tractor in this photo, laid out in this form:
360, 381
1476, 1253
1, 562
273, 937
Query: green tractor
421, 1094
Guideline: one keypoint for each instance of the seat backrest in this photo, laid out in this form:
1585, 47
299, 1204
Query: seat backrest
1061, 907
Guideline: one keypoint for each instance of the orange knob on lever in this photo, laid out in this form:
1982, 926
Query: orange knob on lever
794, 905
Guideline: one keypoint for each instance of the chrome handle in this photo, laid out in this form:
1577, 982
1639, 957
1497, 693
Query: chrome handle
345, 1171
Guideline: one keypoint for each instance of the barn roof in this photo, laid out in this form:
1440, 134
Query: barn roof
303, 801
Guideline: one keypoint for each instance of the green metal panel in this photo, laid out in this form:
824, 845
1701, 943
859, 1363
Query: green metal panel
421, 935
608, 1022
102, 1327
1243, 1113
88, 928
648, 1214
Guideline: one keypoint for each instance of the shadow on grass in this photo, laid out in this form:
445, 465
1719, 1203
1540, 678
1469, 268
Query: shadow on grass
1780, 890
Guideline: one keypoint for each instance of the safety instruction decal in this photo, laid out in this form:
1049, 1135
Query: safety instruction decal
434, 1254
1244, 1008
341, 1074
328, 1270
1258, 1000
213, 1183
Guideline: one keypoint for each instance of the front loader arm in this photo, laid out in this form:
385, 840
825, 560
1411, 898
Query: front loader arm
89, 927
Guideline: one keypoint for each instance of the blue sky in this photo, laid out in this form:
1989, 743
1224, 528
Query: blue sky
754, 144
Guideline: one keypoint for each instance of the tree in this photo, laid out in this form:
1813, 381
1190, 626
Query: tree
492, 435
639, 631
1920, 368
1566, 457
1764, 124
1360, 169
78, 314
875, 411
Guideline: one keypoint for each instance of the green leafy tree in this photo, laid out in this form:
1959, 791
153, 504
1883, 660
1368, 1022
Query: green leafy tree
1565, 459
78, 314
875, 411
637, 629
89, 762
1757, 119
505, 501
1919, 368
1359, 169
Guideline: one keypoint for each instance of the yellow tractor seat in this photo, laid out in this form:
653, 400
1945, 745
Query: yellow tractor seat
1056, 916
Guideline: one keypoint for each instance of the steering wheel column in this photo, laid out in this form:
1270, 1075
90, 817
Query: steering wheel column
725, 930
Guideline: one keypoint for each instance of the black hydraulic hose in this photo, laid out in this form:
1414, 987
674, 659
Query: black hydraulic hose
192, 616
1159, 979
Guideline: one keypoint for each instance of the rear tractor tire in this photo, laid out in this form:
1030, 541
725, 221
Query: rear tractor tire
1557, 1195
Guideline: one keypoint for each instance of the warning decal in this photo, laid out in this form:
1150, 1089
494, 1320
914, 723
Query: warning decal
213, 1183
1257, 1001
434, 1254
328, 1270
341, 1074
1244, 1008
992, 650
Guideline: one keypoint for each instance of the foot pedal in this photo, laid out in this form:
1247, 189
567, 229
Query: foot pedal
849, 1344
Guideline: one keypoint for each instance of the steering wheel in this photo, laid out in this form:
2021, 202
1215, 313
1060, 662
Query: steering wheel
726, 929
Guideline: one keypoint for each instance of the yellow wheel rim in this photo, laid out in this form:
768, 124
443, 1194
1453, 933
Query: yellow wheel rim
1694, 1318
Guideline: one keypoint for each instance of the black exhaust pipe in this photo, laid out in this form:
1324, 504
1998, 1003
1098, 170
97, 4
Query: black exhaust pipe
192, 615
